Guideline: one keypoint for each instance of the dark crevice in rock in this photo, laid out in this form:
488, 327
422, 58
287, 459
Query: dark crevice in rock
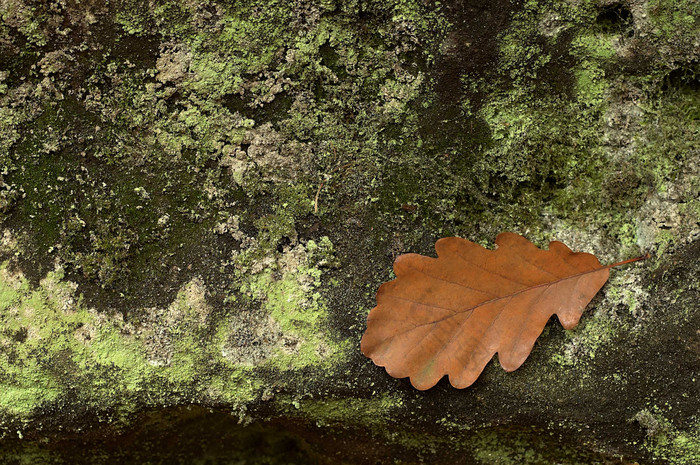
685, 77
616, 19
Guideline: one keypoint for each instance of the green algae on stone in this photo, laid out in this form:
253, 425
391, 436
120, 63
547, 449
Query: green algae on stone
676, 20
52, 343
506, 447
376, 411
678, 446
289, 295
561, 136
597, 46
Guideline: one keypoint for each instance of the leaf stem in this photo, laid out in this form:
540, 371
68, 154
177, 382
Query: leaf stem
624, 262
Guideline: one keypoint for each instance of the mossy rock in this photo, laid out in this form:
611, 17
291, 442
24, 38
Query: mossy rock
199, 200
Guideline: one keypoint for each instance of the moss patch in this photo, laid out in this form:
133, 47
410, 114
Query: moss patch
665, 441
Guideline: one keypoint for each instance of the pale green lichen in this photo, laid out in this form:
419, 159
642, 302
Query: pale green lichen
26, 19
289, 294
35, 328
51, 342
676, 20
601, 326
596, 46
514, 448
590, 84
375, 411
667, 441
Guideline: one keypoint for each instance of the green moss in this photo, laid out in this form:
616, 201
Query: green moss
154, 184
595, 46
503, 447
548, 146
29, 20
664, 240
10, 119
376, 411
293, 300
540, 139
678, 446
522, 59
600, 330
275, 106
675, 20
585, 340
671, 132
51, 344
691, 208
33, 335
590, 84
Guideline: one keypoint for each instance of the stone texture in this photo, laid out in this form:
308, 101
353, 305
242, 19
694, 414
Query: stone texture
199, 200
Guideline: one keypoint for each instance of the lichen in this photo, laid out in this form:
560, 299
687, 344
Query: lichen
513, 447
376, 411
666, 441
51, 343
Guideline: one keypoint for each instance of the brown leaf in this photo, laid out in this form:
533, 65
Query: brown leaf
449, 315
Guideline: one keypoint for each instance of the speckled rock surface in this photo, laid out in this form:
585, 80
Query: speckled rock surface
199, 200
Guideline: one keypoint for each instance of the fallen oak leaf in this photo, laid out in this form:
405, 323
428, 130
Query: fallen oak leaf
450, 315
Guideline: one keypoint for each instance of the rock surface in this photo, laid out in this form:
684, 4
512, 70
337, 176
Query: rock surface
199, 200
